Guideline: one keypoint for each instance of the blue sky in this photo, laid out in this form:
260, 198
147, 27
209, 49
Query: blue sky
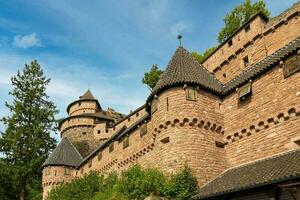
104, 45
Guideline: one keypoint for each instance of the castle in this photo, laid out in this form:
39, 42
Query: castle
234, 119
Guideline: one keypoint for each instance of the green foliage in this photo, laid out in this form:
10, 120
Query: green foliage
182, 185
201, 57
135, 183
239, 15
138, 184
80, 188
151, 78
26, 142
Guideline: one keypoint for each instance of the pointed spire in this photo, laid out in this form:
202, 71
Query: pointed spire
87, 95
184, 69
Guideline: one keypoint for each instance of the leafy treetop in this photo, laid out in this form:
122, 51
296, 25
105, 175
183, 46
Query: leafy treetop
151, 77
239, 15
26, 142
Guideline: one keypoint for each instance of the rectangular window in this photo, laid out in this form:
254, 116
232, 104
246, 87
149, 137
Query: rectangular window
67, 171
143, 130
291, 65
100, 155
111, 147
244, 92
230, 43
191, 93
246, 61
90, 163
126, 142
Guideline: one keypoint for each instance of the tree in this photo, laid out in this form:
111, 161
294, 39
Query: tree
239, 15
151, 77
201, 57
26, 142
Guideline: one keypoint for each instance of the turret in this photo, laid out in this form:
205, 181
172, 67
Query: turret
185, 112
86, 125
60, 166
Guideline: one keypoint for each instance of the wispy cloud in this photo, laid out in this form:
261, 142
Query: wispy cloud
26, 41
180, 27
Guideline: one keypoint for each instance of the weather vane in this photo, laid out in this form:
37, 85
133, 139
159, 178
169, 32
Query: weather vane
179, 38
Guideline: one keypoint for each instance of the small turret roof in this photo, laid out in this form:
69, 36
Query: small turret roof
87, 95
184, 69
65, 154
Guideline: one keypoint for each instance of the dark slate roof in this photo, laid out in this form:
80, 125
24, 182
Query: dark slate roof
117, 136
65, 154
262, 66
275, 169
87, 95
184, 69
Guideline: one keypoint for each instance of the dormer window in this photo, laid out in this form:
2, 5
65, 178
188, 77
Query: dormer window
230, 42
291, 65
244, 92
191, 93
246, 61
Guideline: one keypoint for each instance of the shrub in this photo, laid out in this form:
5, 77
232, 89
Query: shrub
182, 185
135, 183
80, 188
138, 184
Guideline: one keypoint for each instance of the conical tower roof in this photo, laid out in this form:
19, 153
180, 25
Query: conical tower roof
184, 69
65, 154
87, 95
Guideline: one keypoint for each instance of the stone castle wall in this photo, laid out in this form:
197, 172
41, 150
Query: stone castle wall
261, 40
82, 107
209, 134
55, 175
265, 123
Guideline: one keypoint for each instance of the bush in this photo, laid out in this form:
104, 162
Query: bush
182, 185
80, 188
135, 183
138, 184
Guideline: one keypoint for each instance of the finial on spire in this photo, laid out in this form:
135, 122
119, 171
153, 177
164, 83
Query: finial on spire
179, 38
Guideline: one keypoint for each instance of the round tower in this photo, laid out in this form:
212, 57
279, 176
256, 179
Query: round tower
85, 121
186, 118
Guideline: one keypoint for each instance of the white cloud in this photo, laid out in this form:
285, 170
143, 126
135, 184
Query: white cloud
179, 28
26, 41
